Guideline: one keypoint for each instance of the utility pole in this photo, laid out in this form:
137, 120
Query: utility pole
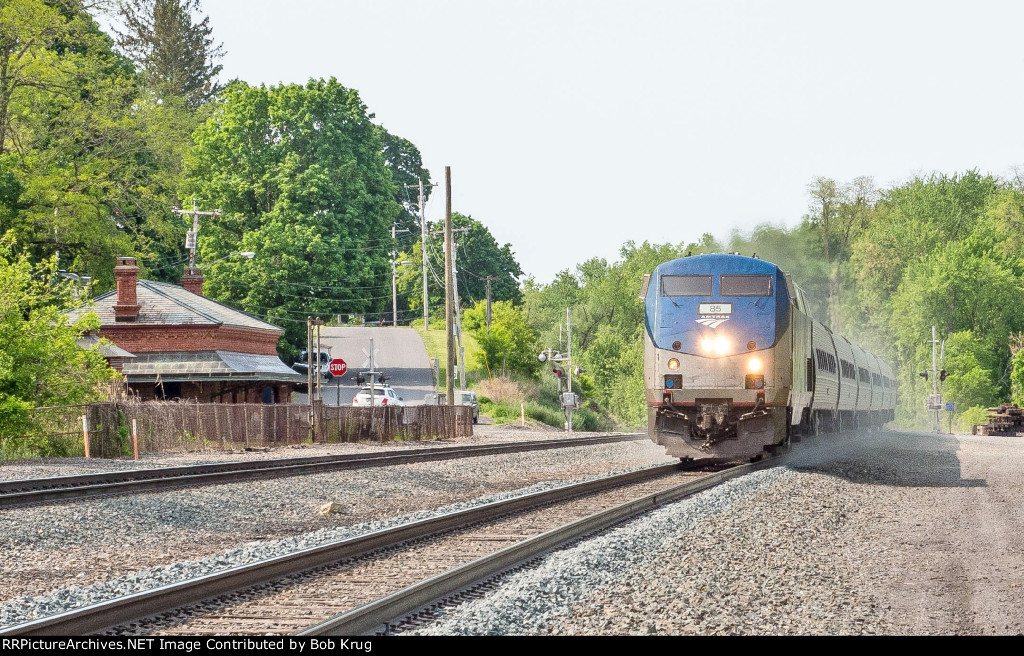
309, 372
373, 380
458, 316
394, 277
423, 252
394, 283
568, 344
318, 323
193, 236
451, 247
449, 285
489, 280
423, 249
313, 370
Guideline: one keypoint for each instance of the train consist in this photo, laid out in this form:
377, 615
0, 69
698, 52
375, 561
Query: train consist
734, 364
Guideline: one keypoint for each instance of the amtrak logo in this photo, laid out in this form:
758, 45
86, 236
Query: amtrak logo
712, 321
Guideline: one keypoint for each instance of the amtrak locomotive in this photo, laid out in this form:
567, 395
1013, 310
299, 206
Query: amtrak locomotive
734, 365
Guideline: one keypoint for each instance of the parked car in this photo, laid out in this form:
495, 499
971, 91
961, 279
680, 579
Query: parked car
466, 397
462, 397
383, 395
303, 363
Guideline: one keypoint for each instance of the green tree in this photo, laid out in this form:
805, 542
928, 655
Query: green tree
970, 382
403, 159
10, 193
29, 62
76, 158
175, 51
298, 174
910, 222
41, 363
510, 346
841, 212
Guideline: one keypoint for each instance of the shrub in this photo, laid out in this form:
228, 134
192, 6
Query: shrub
966, 420
501, 390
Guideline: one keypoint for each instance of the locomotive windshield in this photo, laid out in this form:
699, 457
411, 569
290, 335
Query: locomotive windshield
745, 286
686, 285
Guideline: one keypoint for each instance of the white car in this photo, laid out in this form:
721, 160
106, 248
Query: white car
383, 395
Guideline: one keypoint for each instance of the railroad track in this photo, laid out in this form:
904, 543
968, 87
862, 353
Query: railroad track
42, 490
416, 604
361, 584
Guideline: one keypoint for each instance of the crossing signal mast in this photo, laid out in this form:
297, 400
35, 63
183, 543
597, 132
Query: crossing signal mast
938, 375
568, 399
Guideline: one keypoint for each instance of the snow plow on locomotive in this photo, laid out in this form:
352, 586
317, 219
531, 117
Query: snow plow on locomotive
734, 365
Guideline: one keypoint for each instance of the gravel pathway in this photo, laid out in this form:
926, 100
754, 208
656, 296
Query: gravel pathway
98, 540
886, 534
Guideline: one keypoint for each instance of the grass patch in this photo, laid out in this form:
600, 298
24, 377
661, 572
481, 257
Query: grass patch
583, 419
434, 341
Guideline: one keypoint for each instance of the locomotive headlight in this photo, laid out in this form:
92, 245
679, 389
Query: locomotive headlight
754, 365
707, 345
721, 345
673, 364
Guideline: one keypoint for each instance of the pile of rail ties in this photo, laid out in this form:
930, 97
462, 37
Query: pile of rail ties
1002, 420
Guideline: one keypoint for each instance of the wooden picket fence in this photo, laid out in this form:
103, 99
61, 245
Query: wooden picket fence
186, 426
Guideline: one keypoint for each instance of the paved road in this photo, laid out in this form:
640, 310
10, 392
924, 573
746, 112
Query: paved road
399, 353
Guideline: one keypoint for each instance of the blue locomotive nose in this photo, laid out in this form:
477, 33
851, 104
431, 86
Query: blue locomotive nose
716, 305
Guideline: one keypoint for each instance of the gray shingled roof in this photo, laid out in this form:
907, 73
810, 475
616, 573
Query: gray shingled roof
107, 350
182, 366
162, 303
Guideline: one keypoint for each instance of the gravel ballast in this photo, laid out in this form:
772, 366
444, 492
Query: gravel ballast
885, 534
28, 608
48, 548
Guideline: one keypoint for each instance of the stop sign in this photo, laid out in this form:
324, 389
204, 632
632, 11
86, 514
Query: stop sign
338, 367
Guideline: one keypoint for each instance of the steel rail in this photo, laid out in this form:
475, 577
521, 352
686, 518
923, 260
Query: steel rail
142, 604
39, 490
384, 611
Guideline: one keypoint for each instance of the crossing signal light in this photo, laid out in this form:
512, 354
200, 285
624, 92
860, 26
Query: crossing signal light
923, 374
559, 372
942, 374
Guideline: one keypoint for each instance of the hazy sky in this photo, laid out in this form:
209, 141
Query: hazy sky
574, 126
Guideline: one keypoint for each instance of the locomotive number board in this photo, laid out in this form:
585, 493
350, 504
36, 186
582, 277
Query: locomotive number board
714, 308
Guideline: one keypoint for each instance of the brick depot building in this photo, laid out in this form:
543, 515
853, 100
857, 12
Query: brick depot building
187, 346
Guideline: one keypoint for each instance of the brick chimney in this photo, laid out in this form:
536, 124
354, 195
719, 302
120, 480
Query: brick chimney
127, 275
192, 280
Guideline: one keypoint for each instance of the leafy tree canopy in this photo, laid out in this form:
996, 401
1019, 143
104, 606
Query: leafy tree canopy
78, 175
41, 363
298, 173
404, 161
510, 346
